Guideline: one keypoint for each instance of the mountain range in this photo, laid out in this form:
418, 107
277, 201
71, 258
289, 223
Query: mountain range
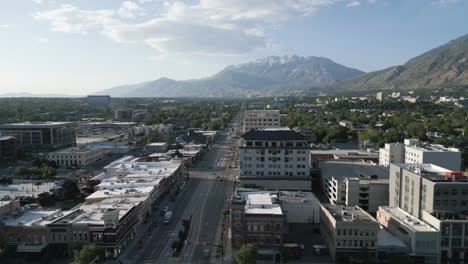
264, 77
444, 67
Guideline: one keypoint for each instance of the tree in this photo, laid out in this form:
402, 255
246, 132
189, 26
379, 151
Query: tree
48, 172
70, 189
169, 138
246, 255
90, 254
21, 170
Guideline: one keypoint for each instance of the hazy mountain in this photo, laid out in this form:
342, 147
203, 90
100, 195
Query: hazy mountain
264, 77
445, 67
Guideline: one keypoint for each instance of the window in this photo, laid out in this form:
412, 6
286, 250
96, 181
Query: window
278, 227
267, 227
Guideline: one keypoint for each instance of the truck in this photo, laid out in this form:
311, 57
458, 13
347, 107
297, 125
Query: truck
167, 217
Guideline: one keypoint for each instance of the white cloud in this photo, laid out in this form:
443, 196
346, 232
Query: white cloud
444, 3
130, 9
4, 26
38, 1
42, 40
206, 27
353, 4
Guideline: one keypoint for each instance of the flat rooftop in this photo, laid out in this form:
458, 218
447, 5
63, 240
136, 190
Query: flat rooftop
261, 203
6, 137
73, 149
387, 239
406, 219
433, 172
343, 213
432, 148
35, 124
30, 217
341, 169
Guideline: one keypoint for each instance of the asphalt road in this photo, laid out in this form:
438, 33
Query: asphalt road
204, 199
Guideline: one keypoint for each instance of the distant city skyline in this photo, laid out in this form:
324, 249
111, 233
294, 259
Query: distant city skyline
83, 46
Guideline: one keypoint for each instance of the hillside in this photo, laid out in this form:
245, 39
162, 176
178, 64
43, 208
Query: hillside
445, 67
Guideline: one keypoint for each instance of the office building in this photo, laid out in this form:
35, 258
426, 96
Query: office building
41, 136
437, 197
350, 183
346, 230
412, 151
7, 147
98, 101
257, 119
80, 157
391, 153
275, 158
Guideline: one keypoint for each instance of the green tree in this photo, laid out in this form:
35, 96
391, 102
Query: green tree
21, 170
90, 254
48, 172
246, 255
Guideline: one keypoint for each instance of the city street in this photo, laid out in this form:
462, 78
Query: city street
204, 200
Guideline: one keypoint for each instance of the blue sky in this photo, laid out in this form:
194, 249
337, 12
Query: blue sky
82, 46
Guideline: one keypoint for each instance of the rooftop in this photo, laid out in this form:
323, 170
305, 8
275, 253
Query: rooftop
6, 137
343, 213
433, 172
432, 148
30, 217
273, 134
342, 169
387, 239
73, 149
261, 203
407, 219
35, 124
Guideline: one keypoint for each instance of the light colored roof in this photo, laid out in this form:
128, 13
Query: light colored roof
6, 137
260, 203
343, 213
38, 124
408, 220
156, 144
30, 218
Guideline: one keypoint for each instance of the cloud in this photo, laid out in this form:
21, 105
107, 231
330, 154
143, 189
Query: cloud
444, 3
353, 4
130, 10
38, 1
204, 27
4, 26
42, 40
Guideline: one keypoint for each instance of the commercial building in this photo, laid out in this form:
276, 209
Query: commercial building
318, 155
159, 147
391, 153
41, 136
379, 96
449, 158
412, 151
7, 147
275, 158
352, 183
10, 206
123, 114
437, 197
98, 100
421, 238
80, 157
257, 119
262, 218
347, 230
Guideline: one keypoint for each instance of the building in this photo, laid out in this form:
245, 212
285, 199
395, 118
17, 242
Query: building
391, 153
276, 159
10, 206
379, 96
318, 155
255, 119
412, 151
420, 238
159, 147
437, 197
123, 114
7, 147
347, 230
98, 100
352, 183
110, 147
257, 218
80, 157
41, 135
449, 158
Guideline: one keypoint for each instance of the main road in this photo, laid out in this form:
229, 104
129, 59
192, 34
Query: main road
203, 200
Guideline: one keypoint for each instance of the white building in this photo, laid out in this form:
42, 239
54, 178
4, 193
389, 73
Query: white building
391, 153
159, 147
379, 96
275, 159
75, 156
437, 197
412, 151
254, 119
352, 183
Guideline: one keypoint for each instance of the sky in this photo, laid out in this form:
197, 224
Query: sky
78, 47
